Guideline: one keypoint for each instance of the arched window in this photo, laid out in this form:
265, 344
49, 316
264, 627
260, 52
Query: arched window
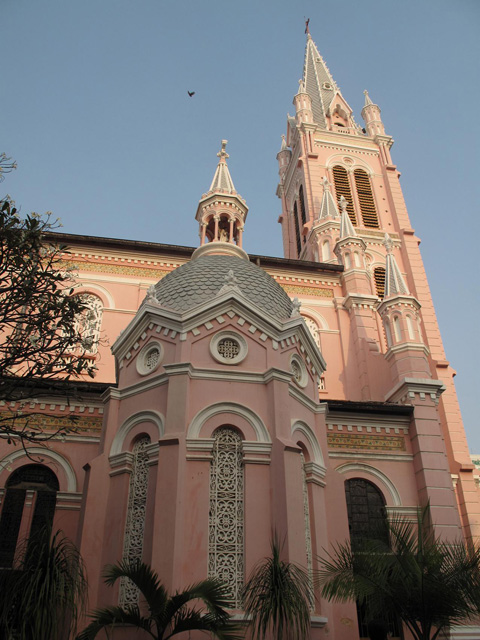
396, 329
313, 328
226, 528
365, 199
366, 520
136, 512
342, 188
379, 277
326, 250
388, 333
89, 322
356, 259
43, 482
348, 262
303, 211
297, 229
410, 329
365, 509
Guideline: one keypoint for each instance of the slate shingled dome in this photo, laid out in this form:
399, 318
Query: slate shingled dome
201, 279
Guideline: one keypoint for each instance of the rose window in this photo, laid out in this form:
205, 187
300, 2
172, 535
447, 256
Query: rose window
296, 371
228, 348
152, 359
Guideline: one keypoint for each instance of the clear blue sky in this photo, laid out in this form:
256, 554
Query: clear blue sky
96, 113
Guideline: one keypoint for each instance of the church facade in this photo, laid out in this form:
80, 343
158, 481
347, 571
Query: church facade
239, 395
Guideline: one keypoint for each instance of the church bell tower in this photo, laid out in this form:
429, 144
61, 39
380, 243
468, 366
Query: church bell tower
340, 195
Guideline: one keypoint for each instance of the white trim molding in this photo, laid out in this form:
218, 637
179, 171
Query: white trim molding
352, 467
142, 416
226, 408
48, 457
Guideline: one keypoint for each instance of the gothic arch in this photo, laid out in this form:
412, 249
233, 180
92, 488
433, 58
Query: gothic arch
355, 468
67, 479
121, 437
220, 413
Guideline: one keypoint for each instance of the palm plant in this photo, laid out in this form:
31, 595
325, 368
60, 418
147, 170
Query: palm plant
278, 597
164, 616
45, 594
429, 584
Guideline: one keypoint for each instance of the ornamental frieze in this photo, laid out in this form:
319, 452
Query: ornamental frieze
365, 441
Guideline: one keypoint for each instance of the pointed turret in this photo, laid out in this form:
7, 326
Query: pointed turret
328, 208
221, 211
371, 115
222, 181
346, 226
394, 281
400, 313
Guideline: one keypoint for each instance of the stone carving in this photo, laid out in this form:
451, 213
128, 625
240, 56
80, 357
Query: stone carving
89, 322
136, 511
226, 528
308, 536
296, 304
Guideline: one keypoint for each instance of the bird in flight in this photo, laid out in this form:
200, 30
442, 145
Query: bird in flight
191, 93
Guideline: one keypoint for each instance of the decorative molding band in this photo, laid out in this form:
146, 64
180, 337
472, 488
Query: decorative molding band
410, 513
407, 346
121, 463
406, 391
360, 442
68, 500
315, 473
393, 457
318, 622
357, 301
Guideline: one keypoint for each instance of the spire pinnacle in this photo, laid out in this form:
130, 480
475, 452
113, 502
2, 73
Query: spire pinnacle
346, 226
222, 180
394, 281
284, 144
368, 101
328, 208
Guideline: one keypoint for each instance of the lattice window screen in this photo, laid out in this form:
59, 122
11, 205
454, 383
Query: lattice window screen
89, 322
226, 528
308, 536
136, 511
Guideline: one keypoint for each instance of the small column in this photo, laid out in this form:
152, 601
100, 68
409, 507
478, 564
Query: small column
230, 237
203, 232
216, 218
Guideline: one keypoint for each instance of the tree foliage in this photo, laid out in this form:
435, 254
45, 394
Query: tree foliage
161, 615
427, 583
44, 595
40, 337
278, 596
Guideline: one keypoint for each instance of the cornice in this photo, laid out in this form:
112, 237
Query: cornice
408, 389
405, 347
311, 405
358, 300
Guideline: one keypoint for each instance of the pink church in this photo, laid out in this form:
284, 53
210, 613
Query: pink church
240, 394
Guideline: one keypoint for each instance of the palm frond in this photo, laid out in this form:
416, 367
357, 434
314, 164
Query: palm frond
429, 584
48, 590
111, 616
277, 596
189, 619
144, 578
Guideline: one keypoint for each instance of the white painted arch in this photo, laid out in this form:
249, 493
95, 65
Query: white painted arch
355, 467
96, 289
226, 408
307, 432
130, 423
45, 456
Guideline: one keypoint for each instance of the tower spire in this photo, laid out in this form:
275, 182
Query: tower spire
328, 208
222, 212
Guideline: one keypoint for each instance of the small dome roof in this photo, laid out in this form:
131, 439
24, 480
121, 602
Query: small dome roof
202, 278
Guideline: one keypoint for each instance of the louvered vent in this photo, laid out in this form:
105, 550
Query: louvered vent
379, 276
342, 188
297, 229
365, 198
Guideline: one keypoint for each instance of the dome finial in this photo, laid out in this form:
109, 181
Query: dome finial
222, 154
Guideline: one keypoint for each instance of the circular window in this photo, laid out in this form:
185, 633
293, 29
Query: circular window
149, 358
228, 348
299, 371
327, 85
